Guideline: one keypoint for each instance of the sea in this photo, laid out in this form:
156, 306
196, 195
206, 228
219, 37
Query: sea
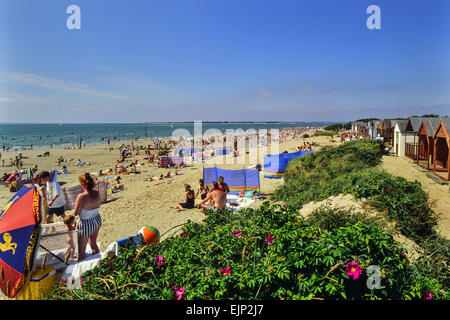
19, 136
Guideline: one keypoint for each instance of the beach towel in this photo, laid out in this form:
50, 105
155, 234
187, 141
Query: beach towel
71, 194
170, 161
237, 180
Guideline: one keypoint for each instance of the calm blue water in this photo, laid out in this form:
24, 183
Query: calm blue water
19, 136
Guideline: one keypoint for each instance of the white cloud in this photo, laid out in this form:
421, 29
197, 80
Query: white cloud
266, 94
56, 84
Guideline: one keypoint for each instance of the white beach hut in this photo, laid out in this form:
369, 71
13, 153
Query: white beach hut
399, 137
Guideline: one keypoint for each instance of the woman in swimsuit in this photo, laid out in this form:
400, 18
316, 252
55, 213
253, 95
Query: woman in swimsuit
190, 199
202, 189
87, 207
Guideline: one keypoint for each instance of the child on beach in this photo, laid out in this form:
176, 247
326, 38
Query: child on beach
71, 224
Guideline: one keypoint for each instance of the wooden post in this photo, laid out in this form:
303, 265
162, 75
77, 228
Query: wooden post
448, 159
434, 153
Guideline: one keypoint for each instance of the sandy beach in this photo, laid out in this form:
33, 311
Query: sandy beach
147, 203
141, 203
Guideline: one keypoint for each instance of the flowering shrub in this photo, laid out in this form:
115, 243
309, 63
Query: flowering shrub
303, 261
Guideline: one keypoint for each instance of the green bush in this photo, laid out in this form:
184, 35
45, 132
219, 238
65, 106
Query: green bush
325, 133
405, 201
278, 256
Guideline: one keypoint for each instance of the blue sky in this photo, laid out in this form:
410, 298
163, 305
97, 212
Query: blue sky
297, 60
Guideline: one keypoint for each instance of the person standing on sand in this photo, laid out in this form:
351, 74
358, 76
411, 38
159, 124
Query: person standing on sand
216, 196
87, 206
55, 197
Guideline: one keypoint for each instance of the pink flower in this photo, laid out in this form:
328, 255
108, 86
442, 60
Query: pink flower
237, 234
63, 281
269, 239
285, 205
428, 295
353, 269
179, 291
225, 271
159, 261
183, 234
82, 281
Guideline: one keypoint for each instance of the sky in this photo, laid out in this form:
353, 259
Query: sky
212, 60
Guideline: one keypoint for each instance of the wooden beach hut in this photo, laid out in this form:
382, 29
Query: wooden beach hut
441, 155
425, 147
412, 127
399, 138
387, 130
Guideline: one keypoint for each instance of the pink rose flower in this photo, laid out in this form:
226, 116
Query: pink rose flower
353, 270
237, 234
179, 292
225, 271
269, 239
159, 261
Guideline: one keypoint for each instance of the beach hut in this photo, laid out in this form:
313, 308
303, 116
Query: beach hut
412, 127
385, 130
360, 127
441, 155
425, 147
399, 137
372, 128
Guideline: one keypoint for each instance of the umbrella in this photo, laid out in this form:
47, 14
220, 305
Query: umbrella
19, 235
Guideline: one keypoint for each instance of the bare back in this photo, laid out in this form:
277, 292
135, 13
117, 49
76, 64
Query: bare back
87, 200
219, 197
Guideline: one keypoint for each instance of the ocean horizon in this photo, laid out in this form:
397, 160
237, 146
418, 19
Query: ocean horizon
20, 136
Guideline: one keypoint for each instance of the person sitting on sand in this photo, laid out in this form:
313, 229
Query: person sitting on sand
222, 185
133, 170
190, 199
168, 175
64, 170
161, 177
216, 198
122, 170
100, 173
202, 189
71, 225
121, 159
118, 186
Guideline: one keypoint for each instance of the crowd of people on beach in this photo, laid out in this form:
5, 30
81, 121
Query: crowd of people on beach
85, 218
